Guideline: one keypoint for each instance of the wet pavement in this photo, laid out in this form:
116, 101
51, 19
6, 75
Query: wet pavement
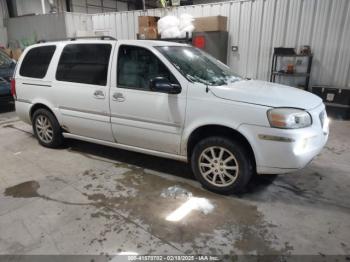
91, 199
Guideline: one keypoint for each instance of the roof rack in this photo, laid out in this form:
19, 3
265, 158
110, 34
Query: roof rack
184, 40
103, 37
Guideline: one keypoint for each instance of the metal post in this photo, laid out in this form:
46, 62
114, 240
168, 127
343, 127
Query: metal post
43, 6
144, 5
68, 5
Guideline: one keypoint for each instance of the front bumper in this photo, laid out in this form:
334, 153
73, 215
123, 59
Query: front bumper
280, 151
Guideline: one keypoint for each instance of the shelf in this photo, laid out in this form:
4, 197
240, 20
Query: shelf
279, 54
291, 55
336, 105
291, 75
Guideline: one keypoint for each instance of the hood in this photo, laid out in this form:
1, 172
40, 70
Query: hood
267, 94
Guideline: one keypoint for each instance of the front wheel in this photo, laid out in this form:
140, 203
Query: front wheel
222, 165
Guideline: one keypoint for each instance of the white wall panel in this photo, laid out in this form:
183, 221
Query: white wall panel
75, 22
280, 16
319, 36
334, 32
244, 34
233, 29
293, 23
306, 22
254, 37
256, 27
265, 55
342, 67
207, 9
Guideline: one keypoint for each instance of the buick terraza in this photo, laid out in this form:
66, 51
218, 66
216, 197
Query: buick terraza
169, 100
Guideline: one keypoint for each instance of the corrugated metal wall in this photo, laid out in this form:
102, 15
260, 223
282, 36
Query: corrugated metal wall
258, 26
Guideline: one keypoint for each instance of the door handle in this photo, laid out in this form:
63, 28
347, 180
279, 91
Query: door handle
99, 94
118, 97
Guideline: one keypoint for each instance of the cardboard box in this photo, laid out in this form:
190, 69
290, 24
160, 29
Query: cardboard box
148, 21
210, 23
148, 33
16, 53
148, 27
8, 51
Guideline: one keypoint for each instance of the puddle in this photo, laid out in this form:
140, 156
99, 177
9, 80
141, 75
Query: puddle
29, 189
134, 198
157, 197
24, 190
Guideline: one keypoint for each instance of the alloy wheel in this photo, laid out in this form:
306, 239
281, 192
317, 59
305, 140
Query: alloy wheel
218, 166
44, 128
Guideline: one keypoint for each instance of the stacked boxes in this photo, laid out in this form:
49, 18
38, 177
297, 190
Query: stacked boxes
210, 34
210, 23
148, 27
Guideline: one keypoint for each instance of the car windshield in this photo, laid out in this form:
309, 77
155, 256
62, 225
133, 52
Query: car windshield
198, 66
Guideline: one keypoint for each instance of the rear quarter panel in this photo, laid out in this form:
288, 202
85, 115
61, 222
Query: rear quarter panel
31, 91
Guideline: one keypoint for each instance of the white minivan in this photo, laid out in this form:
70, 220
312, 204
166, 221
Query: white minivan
169, 100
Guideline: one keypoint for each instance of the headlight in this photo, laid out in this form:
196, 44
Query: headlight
289, 118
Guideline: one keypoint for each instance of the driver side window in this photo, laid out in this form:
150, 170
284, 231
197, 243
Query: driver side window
137, 66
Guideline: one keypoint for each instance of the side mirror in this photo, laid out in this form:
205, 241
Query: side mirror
163, 85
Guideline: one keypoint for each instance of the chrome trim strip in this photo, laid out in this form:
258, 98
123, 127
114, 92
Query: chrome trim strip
145, 120
276, 138
146, 128
86, 118
23, 100
126, 147
83, 111
118, 116
30, 84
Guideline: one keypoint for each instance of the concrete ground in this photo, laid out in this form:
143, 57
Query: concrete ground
91, 199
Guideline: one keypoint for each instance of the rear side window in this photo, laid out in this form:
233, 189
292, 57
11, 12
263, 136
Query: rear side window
84, 63
37, 61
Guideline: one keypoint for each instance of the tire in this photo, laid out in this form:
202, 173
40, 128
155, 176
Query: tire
238, 165
49, 132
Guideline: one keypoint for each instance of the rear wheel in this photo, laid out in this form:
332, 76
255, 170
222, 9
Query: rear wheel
47, 129
221, 165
